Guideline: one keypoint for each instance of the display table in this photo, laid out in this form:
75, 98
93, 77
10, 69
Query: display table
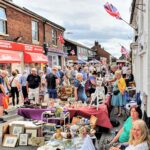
63, 117
78, 144
102, 114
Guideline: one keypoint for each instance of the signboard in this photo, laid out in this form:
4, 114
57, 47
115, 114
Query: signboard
55, 50
32, 48
7, 45
82, 53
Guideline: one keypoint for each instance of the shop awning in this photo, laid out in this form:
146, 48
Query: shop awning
9, 57
35, 58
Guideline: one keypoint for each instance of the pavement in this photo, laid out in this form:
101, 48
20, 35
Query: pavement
108, 136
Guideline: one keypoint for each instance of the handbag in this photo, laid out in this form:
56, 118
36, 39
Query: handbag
116, 92
5, 102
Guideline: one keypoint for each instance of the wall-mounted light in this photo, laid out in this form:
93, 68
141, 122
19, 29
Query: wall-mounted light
18, 39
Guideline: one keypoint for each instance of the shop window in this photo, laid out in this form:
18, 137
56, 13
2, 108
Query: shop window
3, 21
54, 37
6, 67
35, 31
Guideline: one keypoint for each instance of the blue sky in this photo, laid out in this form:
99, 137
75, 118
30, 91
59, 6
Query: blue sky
87, 21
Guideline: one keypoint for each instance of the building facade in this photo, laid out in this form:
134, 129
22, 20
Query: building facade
101, 54
140, 20
23, 34
78, 52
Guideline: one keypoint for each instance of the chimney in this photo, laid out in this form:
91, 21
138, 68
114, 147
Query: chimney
96, 43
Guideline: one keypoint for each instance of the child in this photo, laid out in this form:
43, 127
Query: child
42, 92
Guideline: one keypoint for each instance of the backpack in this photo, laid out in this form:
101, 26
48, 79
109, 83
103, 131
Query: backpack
87, 85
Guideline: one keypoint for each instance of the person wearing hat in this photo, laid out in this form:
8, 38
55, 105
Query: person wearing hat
52, 81
33, 85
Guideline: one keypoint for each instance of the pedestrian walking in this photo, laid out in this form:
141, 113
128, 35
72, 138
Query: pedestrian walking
33, 85
52, 81
23, 81
15, 87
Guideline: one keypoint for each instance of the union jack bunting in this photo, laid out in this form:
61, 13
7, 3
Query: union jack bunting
124, 51
112, 10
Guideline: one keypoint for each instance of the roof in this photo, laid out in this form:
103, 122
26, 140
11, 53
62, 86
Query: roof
132, 11
33, 13
78, 44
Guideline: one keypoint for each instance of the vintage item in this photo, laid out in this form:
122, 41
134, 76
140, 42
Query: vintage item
10, 140
93, 120
58, 135
37, 141
32, 131
16, 129
23, 139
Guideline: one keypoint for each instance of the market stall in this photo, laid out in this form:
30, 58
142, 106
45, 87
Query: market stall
84, 111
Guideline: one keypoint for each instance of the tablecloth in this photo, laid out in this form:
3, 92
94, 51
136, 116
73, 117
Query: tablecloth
102, 113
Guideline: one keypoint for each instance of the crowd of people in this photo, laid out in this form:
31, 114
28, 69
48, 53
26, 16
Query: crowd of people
33, 86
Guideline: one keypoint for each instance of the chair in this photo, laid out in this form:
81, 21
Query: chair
98, 96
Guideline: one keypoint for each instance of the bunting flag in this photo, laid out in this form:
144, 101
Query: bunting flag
61, 39
124, 51
112, 10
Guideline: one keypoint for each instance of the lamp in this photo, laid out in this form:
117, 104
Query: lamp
18, 39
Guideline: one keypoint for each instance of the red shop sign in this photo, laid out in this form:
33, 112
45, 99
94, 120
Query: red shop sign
7, 45
32, 48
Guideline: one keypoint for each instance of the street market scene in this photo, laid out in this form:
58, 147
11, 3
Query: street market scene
74, 75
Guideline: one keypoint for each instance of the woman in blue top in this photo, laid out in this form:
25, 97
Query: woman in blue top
123, 134
79, 90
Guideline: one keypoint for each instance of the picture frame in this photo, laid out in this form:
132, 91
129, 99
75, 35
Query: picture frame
32, 131
23, 139
10, 140
49, 127
93, 120
16, 129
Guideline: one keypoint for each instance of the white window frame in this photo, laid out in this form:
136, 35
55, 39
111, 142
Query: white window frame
54, 37
35, 30
3, 21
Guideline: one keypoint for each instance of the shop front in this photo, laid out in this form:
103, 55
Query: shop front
34, 57
56, 57
11, 56
21, 56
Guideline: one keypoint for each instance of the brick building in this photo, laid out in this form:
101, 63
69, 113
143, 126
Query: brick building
78, 52
22, 36
101, 53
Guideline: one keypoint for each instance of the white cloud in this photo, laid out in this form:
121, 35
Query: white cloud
87, 20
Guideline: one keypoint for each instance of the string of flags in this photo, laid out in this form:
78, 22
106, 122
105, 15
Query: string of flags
124, 51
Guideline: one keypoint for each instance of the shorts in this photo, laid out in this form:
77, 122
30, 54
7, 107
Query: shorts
52, 93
